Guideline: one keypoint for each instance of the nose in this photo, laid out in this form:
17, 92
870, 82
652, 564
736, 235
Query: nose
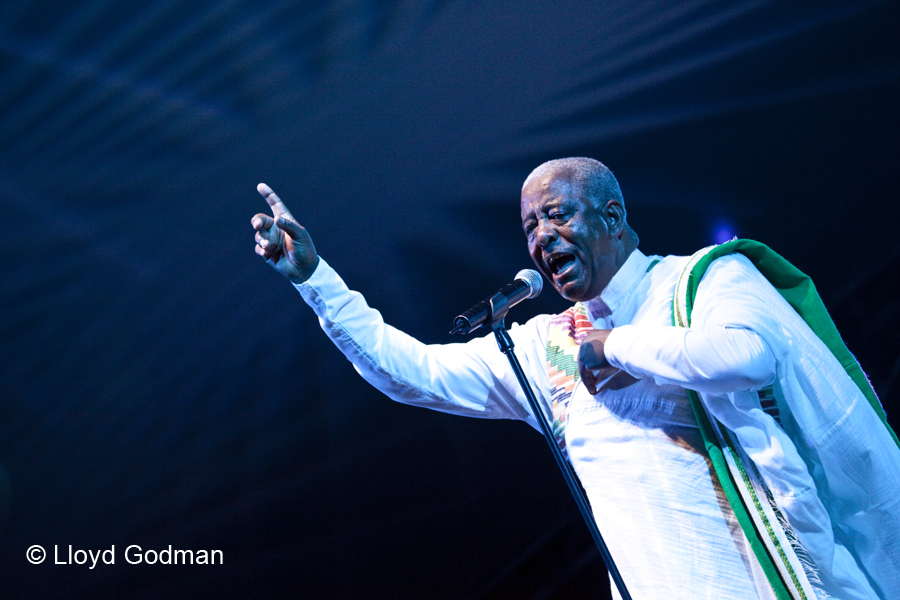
545, 233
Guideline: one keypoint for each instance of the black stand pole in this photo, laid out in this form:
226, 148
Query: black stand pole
499, 308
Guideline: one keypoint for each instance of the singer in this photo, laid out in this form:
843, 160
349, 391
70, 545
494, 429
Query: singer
729, 444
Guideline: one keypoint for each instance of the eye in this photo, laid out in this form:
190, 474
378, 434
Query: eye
558, 216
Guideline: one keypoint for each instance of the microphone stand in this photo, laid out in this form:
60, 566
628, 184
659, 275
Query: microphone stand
499, 308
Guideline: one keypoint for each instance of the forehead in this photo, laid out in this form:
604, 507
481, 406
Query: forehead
549, 191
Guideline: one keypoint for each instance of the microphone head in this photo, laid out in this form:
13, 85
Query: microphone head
534, 281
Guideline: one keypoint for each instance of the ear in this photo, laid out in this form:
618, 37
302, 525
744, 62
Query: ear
614, 215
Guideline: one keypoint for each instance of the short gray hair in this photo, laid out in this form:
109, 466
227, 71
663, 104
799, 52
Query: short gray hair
590, 178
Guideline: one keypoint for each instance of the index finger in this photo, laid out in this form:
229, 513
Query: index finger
277, 206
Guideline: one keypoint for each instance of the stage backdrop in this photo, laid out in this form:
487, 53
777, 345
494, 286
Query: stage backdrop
162, 387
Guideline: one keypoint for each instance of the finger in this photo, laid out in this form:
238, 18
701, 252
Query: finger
262, 240
584, 374
267, 242
292, 228
273, 235
262, 248
261, 221
277, 206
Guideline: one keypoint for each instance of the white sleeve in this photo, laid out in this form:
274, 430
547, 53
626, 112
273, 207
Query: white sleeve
726, 348
472, 378
715, 359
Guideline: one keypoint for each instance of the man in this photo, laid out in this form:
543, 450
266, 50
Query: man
725, 451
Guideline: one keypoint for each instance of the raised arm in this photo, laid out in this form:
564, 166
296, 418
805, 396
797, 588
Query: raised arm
470, 379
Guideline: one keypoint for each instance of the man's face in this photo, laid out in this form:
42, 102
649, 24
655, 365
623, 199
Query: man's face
568, 238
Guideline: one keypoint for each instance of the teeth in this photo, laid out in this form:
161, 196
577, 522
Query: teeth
555, 262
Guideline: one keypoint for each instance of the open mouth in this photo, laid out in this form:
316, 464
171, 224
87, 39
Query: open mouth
560, 263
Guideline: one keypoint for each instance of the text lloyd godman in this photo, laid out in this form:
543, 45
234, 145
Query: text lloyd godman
135, 555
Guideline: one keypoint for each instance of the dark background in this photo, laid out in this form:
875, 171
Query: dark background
161, 385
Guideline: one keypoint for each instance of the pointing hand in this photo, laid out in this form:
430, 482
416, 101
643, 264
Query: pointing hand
282, 241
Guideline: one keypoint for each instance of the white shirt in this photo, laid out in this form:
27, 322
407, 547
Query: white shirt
635, 446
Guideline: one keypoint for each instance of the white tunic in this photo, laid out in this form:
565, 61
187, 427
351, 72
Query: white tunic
635, 445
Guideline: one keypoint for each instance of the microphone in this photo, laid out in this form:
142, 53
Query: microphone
528, 284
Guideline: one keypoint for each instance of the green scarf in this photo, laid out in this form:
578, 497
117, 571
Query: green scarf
800, 293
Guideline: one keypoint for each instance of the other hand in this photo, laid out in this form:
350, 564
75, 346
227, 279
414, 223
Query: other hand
592, 358
285, 245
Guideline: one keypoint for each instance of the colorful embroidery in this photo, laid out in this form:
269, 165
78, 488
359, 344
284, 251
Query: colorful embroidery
567, 330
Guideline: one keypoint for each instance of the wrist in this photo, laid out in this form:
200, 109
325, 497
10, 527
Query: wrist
305, 272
